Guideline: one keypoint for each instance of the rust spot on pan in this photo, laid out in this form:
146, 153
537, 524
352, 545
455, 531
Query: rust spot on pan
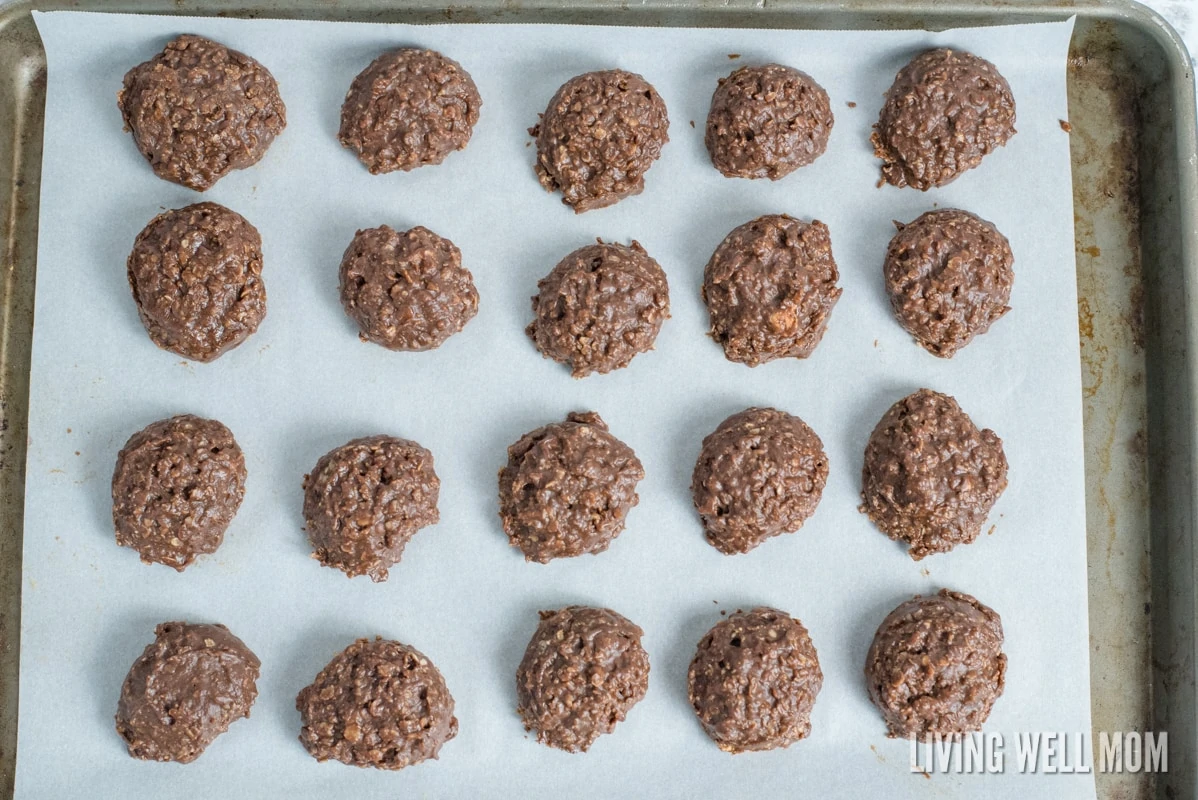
1085, 318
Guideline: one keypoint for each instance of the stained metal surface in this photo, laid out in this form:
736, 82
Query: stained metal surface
1104, 142
1131, 109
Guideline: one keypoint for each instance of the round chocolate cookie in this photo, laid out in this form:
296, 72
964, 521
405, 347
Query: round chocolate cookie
186, 689
598, 137
406, 291
177, 485
936, 665
198, 110
766, 122
583, 671
365, 500
754, 680
930, 476
949, 278
760, 474
196, 276
567, 488
599, 307
946, 110
770, 287
410, 108
377, 704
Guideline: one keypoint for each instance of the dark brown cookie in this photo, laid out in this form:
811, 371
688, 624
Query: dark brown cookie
186, 689
196, 276
770, 288
406, 290
410, 108
949, 278
198, 110
378, 704
177, 485
567, 488
761, 473
930, 476
365, 500
599, 307
583, 671
754, 680
936, 666
946, 110
766, 122
598, 137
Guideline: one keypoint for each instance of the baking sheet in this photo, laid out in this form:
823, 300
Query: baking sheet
304, 384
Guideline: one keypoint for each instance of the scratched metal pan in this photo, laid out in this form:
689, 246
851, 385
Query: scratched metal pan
1131, 109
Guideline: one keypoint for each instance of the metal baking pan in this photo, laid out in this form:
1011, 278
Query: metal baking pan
1135, 179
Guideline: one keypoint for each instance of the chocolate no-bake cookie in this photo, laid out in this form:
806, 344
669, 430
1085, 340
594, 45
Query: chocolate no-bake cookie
196, 276
567, 488
936, 665
186, 689
946, 110
770, 287
406, 290
754, 680
599, 307
598, 137
365, 500
410, 108
378, 704
766, 122
177, 485
198, 110
761, 473
948, 275
583, 671
930, 476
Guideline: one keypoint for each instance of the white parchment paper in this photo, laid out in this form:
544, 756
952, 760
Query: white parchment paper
304, 384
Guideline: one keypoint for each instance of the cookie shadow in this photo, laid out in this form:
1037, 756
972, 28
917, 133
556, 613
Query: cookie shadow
535, 261
535, 77
704, 73
861, 629
342, 65
520, 629
707, 227
690, 428
124, 225
678, 648
504, 431
874, 240
306, 655
104, 444
105, 74
866, 411
336, 231
125, 638
303, 445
